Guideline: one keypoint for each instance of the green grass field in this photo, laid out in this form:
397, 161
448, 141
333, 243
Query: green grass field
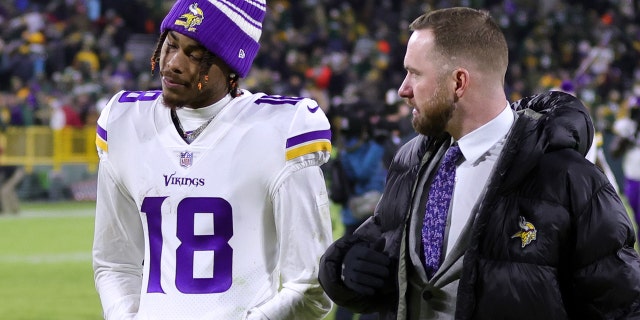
45, 262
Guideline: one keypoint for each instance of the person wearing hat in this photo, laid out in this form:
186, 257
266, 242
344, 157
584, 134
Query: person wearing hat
211, 202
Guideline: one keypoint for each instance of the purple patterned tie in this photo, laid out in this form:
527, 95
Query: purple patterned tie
435, 218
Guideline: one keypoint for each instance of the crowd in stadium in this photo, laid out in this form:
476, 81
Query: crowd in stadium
60, 60
72, 54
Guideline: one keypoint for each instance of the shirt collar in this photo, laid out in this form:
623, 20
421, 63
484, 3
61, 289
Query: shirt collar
479, 141
204, 113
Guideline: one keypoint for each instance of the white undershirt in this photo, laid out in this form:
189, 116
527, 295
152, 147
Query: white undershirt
480, 149
191, 119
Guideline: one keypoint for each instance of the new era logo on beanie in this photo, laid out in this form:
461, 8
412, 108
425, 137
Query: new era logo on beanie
229, 29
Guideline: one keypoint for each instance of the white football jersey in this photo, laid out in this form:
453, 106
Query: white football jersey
231, 226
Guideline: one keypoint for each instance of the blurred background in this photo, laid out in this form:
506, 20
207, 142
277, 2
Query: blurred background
61, 60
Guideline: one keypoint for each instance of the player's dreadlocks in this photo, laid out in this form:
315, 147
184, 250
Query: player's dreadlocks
206, 62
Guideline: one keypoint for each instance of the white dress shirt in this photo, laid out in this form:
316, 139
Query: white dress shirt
480, 149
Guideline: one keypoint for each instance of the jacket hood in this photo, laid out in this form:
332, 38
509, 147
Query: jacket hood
563, 119
546, 122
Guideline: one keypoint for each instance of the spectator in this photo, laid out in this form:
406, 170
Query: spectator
11, 176
64, 114
627, 129
362, 159
353, 41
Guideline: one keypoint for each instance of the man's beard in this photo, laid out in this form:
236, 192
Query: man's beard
432, 120
190, 98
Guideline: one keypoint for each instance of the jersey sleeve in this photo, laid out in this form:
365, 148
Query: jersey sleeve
309, 135
303, 223
101, 127
302, 217
118, 244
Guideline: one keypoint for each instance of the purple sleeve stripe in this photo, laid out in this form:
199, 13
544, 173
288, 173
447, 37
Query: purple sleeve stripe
277, 100
102, 133
309, 136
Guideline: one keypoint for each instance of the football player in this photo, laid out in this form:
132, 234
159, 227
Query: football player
211, 201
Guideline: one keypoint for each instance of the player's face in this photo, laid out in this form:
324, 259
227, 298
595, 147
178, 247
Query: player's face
426, 87
180, 68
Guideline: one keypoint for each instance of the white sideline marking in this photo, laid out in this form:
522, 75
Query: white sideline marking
46, 258
44, 214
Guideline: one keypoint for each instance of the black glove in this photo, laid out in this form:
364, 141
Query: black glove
365, 269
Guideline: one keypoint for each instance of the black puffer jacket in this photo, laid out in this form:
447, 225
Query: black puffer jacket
582, 264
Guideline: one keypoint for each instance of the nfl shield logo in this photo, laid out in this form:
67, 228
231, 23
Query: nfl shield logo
186, 159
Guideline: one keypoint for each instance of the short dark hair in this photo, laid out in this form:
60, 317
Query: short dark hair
467, 33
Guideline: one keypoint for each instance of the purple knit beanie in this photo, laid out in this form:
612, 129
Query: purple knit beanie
230, 29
